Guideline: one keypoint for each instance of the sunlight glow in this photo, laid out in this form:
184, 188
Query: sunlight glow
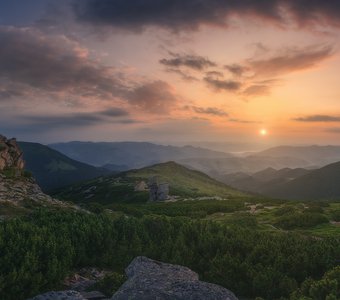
263, 132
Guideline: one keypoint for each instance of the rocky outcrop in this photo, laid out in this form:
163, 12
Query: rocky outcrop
17, 190
158, 191
150, 280
10, 156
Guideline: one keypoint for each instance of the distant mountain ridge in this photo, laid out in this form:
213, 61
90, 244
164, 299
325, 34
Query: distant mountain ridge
53, 170
323, 183
131, 154
314, 155
261, 181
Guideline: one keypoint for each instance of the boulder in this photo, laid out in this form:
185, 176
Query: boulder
63, 295
150, 280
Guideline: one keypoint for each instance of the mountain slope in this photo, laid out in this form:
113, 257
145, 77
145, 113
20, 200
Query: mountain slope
130, 154
260, 181
315, 155
322, 183
182, 181
53, 169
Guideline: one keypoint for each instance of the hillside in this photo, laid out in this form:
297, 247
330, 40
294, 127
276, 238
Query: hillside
260, 181
130, 155
219, 167
322, 183
52, 169
314, 155
183, 182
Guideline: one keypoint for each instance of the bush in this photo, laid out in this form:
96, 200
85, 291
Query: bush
301, 220
335, 215
284, 211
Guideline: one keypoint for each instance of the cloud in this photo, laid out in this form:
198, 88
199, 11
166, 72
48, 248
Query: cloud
260, 88
209, 111
226, 85
37, 62
290, 60
194, 62
154, 97
176, 15
236, 69
318, 118
34, 65
214, 74
72, 120
184, 75
243, 121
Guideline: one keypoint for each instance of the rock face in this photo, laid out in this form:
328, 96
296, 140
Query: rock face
17, 190
153, 280
10, 155
158, 191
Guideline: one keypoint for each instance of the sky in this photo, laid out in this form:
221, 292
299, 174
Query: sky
171, 71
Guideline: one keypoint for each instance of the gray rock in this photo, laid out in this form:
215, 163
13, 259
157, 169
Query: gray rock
153, 280
94, 295
63, 295
158, 191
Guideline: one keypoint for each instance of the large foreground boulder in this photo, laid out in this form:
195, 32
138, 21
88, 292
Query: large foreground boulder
63, 295
150, 280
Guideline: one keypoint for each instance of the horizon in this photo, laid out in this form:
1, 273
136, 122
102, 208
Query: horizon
260, 74
232, 147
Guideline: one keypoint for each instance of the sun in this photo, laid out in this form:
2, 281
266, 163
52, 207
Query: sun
263, 132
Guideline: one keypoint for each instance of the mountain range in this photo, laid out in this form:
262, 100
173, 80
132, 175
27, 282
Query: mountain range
53, 170
130, 155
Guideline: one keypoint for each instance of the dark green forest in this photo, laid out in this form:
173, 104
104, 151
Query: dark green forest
39, 250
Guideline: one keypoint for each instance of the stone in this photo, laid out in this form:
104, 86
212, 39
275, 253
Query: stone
11, 157
94, 295
153, 280
158, 191
62, 295
141, 186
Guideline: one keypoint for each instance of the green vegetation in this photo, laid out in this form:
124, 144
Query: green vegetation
184, 183
38, 251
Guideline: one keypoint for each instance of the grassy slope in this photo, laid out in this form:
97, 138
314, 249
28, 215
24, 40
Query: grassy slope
183, 182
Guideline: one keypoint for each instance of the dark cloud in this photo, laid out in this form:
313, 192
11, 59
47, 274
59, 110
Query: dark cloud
318, 118
243, 121
236, 69
226, 85
33, 60
214, 74
209, 111
290, 60
154, 97
114, 112
36, 66
195, 62
178, 15
184, 75
72, 120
